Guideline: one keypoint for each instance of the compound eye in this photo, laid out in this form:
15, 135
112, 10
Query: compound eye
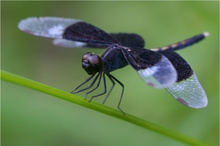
94, 60
86, 56
92, 63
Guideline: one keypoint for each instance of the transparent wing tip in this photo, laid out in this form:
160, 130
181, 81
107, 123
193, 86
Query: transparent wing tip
202, 104
50, 27
189, 92
199, 104
24, 24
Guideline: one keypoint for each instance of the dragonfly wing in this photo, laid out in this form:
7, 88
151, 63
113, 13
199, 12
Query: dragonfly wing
68, 43
189, 92
161, 75
123, 39
129, 39
67, 29
51, 27
154, 68
84, 32
187, 89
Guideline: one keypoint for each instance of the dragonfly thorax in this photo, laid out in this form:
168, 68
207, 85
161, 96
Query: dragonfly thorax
92, 63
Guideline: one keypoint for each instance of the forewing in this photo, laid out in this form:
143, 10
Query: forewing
84, 32
51, 27
187, 89
66, 30
129, 39
123, 39
155, 69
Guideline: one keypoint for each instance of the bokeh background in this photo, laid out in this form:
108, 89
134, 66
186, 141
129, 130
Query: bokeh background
33, 118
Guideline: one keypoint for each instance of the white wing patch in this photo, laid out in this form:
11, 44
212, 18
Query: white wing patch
68, 43
56, 30
161, 75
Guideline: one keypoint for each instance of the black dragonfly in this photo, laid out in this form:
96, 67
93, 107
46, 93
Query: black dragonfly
158, 67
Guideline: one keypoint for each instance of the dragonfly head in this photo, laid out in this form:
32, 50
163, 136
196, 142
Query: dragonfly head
92, 63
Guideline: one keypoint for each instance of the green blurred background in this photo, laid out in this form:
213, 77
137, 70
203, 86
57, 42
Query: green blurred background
33, 118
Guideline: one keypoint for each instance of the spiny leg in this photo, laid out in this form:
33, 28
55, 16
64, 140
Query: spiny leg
89, 86
121, 93
104, 88
111, 87
100, 74
83, 83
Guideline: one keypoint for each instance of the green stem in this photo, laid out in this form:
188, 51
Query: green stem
99, 107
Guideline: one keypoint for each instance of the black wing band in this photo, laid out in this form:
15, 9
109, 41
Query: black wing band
123, 39
141, 58
84, 32
129, 39
183, 69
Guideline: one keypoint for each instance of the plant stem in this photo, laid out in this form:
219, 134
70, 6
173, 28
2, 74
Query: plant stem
99, 107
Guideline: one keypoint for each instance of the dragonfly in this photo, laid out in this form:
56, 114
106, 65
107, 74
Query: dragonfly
158, 67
